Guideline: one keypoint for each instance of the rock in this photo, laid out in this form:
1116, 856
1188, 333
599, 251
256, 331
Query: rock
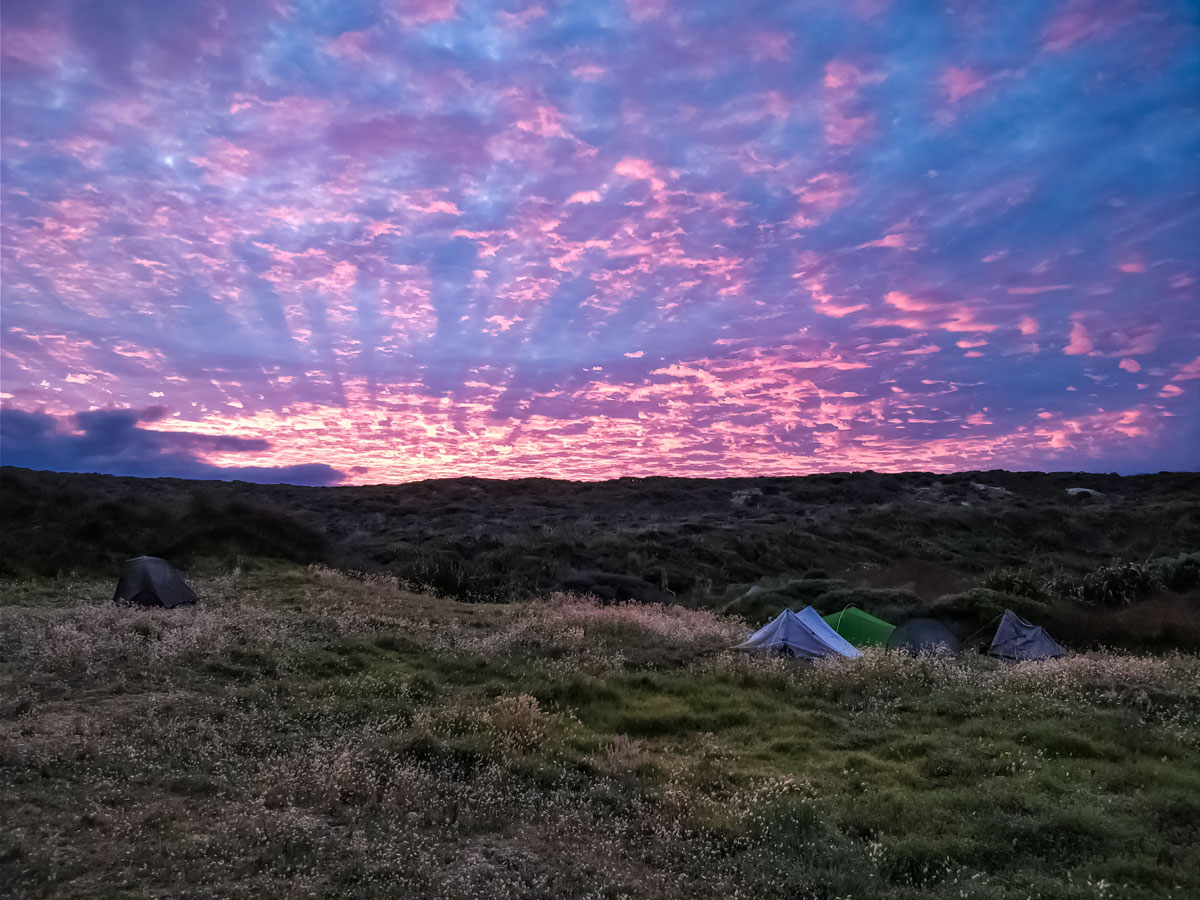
741, 498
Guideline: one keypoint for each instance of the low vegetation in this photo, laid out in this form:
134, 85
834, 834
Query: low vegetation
1115, 568
304, 732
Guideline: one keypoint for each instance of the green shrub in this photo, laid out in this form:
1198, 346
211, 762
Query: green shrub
1117, 585
1016, 582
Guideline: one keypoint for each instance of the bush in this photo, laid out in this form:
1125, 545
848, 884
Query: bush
981, 605
1016, 582
1106, 586
890, 604
1177, 573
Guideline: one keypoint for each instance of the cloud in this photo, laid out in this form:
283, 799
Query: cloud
418, 238
585, 197
113, 442
1080, 342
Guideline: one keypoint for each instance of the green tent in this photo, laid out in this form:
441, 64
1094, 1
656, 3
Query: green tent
860, 628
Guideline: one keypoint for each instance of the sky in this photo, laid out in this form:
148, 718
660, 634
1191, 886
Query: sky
366, 242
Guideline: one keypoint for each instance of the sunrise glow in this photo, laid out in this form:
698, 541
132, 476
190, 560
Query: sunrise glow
374, 242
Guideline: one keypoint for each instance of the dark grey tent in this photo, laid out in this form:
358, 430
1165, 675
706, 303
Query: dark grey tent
1018, 639
923, 636
150, 581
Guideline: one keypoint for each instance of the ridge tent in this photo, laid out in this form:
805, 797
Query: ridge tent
1018, 639
793, 634
150, 581
923, 635
821, 629
860, 628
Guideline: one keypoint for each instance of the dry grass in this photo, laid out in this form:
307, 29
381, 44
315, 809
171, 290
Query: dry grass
304, 733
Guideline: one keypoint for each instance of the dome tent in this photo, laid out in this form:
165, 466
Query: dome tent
804, 634
860, 628
150, 581
1018, 639
924, 636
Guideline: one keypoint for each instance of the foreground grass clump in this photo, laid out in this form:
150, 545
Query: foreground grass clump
304, 733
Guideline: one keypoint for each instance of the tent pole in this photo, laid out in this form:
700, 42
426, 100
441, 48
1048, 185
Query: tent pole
988, 625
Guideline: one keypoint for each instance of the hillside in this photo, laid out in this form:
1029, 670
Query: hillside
301, 733
962, 545
381, 694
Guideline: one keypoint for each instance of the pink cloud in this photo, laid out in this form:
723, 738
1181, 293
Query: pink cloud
771, 45
224, 159
1132, 266
961, 82
824, 193
840, 73
811, 278
1130, 365
904, 302
37, 47
547, 122
424, 12
642, 10
1135, 341
639, 169
844, 121
1040, 289
350, 45
1028, 325
1079, 343
518, 21
894, 241
1080, 21
843, 130
1188, 371
436, 206
585, 197
589, 72
1170, 390
967, 345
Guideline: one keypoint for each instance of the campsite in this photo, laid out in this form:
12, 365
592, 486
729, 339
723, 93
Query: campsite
618, 450
316, 724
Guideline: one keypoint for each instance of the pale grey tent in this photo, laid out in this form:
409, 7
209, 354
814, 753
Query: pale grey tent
150, 581
1018, 639
805, 635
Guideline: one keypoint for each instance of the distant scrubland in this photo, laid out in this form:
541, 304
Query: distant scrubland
1112, 564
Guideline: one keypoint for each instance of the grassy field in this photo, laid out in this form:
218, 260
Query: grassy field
307, 733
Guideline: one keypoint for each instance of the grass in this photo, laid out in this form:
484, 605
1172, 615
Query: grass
305, 733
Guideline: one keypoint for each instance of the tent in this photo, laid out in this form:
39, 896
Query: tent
1018, 639
860, 628
804, 634
150, 581
923, 636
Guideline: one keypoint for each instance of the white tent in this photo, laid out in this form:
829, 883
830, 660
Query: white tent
804, 634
